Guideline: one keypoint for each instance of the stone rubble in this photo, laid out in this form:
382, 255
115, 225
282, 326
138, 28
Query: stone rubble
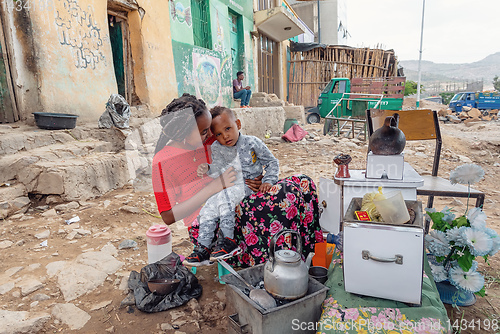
70, 315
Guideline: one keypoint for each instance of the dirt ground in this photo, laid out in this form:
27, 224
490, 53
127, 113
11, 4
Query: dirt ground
480, 143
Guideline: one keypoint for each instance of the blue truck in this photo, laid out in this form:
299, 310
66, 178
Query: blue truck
481, 101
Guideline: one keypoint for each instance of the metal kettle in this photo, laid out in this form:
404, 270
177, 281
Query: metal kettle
286, 276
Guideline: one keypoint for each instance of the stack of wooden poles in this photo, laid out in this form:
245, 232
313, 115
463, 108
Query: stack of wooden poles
311, 70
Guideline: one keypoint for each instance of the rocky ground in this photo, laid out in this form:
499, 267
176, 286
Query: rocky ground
59, 277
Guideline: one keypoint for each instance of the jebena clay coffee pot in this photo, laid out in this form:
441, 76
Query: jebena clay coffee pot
342, 160
389, 139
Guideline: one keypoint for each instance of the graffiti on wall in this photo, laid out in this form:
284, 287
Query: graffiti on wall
207, 78
78, 29
180, 13
219, 45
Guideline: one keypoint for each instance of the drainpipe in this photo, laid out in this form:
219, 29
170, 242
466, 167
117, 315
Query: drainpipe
319, 29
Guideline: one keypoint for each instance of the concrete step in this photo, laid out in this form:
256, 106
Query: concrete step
26, 138
79, 178
12, 141
13, 164
75, 179
73, 165
13, 199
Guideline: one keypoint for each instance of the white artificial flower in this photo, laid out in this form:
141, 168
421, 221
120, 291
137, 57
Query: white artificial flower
471, 280
437, 244
456, 235
479, 242
495, 239
477, 218
439, 273
474, 265
466, 174
448, 215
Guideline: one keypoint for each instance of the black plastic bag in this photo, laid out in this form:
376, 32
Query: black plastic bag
169, 267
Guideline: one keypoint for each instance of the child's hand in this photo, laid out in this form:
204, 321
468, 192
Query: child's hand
202, 169
264, 187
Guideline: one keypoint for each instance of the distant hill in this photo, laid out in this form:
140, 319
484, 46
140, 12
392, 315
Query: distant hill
484, 69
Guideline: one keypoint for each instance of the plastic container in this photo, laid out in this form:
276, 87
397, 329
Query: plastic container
54, 121
393, 209
323, 253
159, 242
288, 124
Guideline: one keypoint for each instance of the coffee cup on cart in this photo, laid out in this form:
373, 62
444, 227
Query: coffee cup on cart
393, 209
159, 242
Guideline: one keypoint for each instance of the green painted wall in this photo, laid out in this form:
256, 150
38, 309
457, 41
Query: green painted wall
181, 24
208, 73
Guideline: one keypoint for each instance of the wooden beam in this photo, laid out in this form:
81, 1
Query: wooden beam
120, 15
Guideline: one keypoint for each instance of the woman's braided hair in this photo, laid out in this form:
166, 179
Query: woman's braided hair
177, 125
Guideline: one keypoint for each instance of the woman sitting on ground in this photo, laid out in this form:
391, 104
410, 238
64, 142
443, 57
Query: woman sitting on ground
183, 145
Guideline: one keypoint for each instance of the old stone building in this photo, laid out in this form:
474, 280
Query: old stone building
69, 56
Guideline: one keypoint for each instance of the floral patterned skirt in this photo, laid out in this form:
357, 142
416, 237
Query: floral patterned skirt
292, 203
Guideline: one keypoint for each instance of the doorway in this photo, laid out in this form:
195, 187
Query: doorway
119, 37
268, 51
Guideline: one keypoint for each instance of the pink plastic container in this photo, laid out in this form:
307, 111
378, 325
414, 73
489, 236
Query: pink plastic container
159, 242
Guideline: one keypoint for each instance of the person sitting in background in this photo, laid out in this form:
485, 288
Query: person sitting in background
240, 92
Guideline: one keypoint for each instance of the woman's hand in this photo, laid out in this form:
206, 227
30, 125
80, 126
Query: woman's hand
202, 169
264, 187
254, 184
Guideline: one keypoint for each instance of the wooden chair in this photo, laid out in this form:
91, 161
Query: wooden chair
423, 124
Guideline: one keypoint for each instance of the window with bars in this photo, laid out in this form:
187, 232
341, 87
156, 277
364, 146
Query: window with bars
200, 11
266, 4
268, 65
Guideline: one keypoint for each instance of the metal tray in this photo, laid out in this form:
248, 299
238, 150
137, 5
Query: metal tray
245, 316
416, 206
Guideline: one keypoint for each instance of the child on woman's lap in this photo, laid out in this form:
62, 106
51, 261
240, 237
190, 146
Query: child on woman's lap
249, 156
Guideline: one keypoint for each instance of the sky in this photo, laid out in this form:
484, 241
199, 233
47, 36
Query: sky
455, 31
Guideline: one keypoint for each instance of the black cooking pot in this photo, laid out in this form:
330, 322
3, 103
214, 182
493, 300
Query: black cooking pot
54, 121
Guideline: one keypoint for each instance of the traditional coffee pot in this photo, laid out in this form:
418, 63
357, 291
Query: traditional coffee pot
286, 276
389, 139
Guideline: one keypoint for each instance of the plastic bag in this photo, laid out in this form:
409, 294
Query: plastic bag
368, 205
295, 133
169, 267
117, 113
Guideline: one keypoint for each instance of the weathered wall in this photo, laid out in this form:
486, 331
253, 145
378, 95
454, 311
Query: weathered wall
62, 57
75, 64
260, 122
155, 80
207, 73
23, 58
